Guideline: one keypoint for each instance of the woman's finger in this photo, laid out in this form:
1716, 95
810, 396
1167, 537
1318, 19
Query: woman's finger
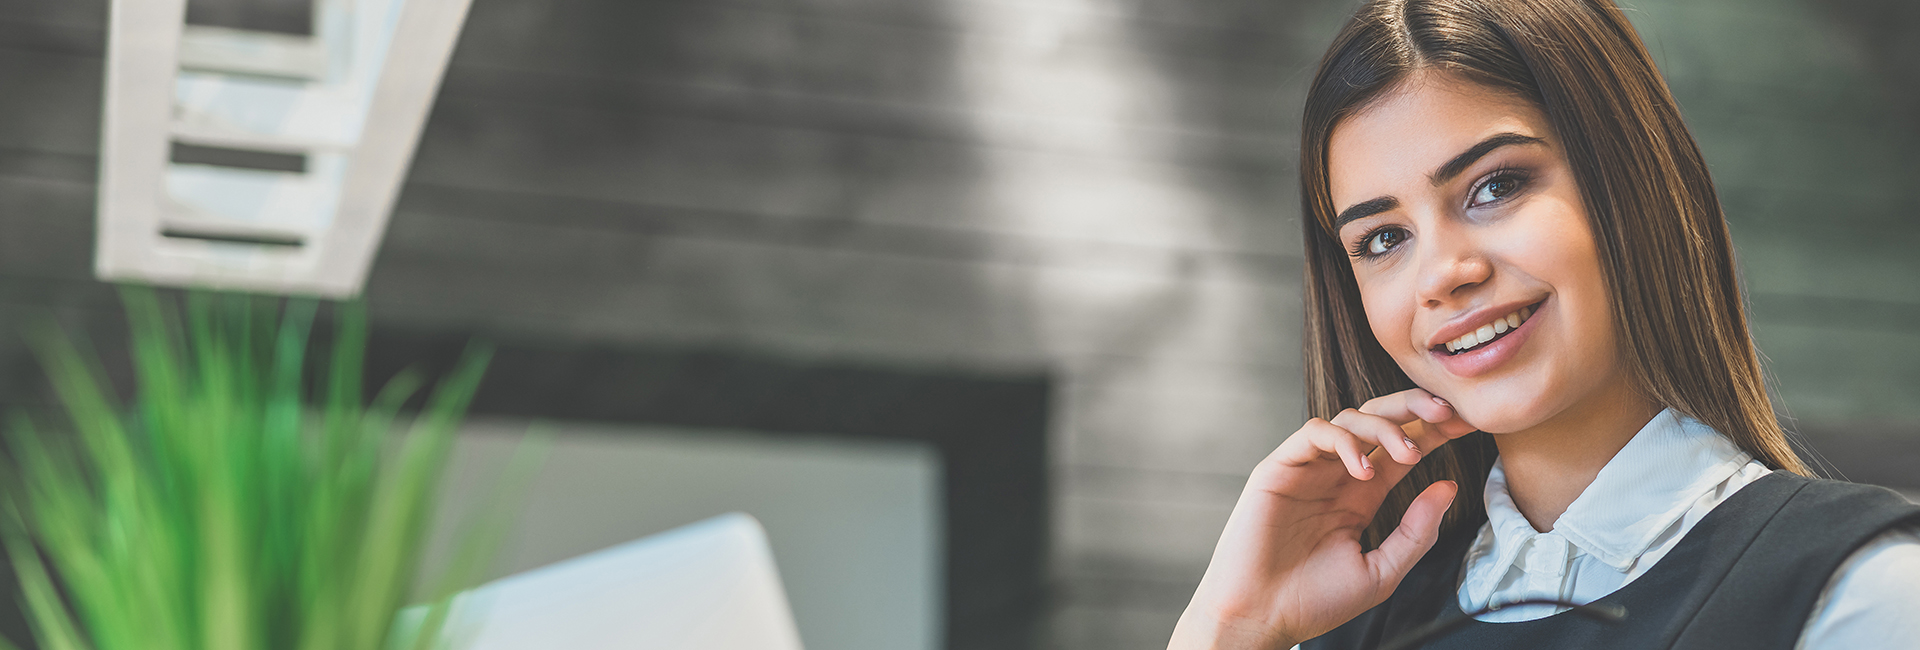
1416, 404
1400, 447
1328, 440
1383, 433
1408, 405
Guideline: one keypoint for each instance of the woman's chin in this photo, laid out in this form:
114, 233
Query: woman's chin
1497, 418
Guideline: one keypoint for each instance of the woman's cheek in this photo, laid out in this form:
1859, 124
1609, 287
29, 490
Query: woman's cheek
1392, 324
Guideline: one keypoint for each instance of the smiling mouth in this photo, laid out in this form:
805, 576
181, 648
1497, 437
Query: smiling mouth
1489, 332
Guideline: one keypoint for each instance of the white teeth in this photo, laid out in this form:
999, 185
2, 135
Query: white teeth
1486, 332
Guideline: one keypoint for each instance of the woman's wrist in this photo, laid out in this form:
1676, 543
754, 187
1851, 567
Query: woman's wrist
1195, 632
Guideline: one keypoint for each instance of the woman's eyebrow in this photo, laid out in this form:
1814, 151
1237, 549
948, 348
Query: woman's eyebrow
1365, 209
1476, 152
1439, 176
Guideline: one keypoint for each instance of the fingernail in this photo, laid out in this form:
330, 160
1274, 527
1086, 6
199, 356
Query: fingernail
1410, 444
1441, 402
1364, 464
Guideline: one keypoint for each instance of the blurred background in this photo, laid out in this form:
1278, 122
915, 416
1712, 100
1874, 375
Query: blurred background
985, 308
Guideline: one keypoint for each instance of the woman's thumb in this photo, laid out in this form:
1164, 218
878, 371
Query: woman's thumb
1418, 529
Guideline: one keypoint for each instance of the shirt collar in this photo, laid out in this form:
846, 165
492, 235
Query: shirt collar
1647, 487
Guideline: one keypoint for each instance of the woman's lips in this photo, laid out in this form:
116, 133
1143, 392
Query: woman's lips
1482, 359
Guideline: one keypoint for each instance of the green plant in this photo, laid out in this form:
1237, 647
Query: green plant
223, 509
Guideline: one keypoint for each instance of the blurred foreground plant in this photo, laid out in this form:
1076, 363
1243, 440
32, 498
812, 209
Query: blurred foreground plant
221, 510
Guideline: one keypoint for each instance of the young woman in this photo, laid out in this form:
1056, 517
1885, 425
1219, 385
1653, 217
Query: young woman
1521, 301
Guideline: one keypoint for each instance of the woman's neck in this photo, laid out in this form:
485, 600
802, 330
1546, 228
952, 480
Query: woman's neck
1550, 464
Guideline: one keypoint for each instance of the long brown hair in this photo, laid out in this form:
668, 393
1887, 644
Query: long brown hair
1661, 234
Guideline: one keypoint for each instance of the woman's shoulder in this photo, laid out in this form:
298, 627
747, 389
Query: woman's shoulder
1832, 518
1799, 551
1873, 599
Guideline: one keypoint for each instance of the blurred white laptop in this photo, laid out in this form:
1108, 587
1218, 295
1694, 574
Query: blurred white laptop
710, 585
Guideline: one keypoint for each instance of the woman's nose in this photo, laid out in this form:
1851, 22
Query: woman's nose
1451, 267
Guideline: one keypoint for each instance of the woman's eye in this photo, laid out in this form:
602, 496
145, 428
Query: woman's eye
1380, 242
1498, 188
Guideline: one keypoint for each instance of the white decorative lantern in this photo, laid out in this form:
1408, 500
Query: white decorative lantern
261, 161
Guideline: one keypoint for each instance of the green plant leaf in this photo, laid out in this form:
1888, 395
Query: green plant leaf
223, 507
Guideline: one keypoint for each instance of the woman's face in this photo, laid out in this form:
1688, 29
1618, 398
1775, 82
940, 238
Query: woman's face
1461, 219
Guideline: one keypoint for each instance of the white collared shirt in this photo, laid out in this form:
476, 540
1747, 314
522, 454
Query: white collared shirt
1670, 475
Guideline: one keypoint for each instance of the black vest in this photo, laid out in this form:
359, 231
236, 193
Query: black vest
1746, 576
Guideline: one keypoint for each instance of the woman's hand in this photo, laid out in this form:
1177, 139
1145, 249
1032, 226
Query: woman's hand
1289, 567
